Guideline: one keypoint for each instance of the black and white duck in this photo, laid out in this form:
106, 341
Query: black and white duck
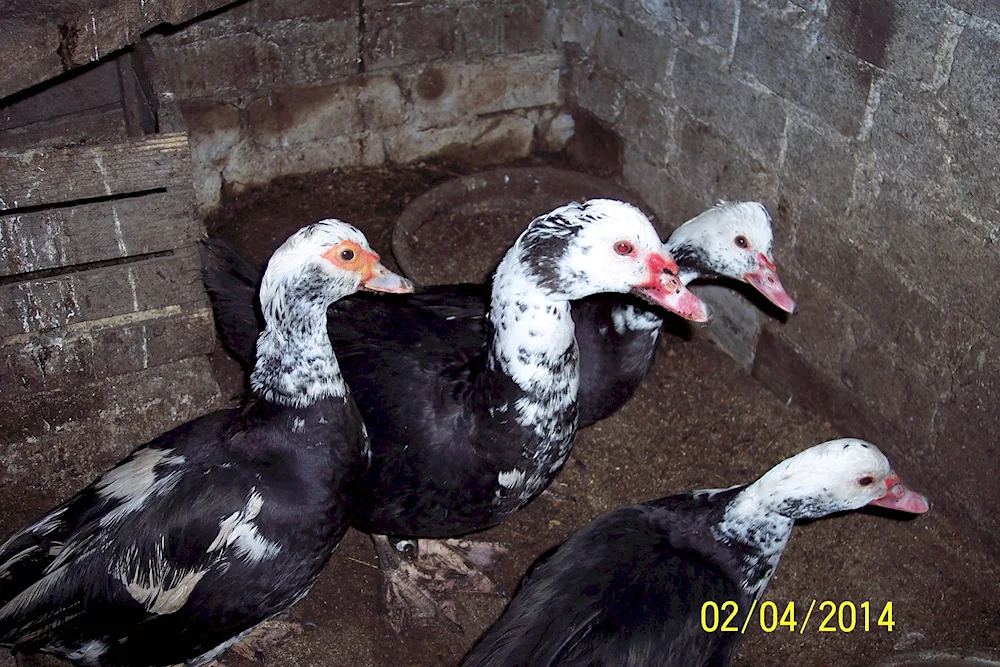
219, 524
465, 435
628, 589
617, 336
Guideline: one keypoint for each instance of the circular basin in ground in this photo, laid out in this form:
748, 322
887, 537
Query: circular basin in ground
459, 231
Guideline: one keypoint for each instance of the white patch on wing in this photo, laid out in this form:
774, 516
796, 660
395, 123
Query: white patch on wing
239, 531
631, 318
219, 650
75, 548
89, 653
511, 478
298, 425
134, 481
708, 493
153, 582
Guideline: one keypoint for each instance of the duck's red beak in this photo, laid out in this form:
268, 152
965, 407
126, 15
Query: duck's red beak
898, 497
663, 288
767, 282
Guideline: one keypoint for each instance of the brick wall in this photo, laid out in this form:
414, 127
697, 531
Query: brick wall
270, 88
869, 128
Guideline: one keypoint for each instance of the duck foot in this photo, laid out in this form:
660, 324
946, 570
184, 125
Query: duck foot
264, 638
558, 495
420, 577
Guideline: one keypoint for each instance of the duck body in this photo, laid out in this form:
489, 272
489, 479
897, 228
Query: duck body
628, 589
194, 539
210, 529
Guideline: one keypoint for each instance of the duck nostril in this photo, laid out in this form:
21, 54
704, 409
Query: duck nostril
770, 280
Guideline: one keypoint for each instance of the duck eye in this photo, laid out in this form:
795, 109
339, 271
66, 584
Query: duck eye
347, 254
624, 248
867, 480
742, 242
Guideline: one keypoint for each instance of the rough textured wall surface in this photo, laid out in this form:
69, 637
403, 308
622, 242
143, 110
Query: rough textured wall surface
869, 128
271, 88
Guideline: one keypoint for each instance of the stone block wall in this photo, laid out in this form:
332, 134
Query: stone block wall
870, 129
271, 88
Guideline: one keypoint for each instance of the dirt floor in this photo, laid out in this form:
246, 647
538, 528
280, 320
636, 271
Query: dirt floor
698, 421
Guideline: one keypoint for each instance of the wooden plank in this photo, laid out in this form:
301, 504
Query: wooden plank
168, 117
138, 101
95, 232
61, 439
54, 175
53, 38
46, 304
105, 348
101, 124
92, 88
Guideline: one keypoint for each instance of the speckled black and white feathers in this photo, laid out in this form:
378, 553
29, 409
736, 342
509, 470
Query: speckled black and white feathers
211, 528
703, 246
628, 588
194, 539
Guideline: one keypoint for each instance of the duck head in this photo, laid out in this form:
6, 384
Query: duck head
603, 245
325, 261
328, 259
732, 239
836, 476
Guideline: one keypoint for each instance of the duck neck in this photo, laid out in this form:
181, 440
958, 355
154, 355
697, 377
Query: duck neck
529, 387
692, 262
533, 336
752, 525
295, 363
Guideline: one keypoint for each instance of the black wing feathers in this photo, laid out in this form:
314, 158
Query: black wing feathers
624, 591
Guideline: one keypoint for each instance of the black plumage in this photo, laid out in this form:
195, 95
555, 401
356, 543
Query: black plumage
627, 591
217, 525
449, 458
629, 588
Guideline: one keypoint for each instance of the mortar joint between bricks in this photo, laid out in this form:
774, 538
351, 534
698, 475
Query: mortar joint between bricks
737, 13
871, 107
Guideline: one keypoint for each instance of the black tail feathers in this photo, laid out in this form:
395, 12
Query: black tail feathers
232, 282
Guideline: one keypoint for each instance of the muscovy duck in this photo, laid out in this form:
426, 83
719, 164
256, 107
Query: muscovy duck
617, 338
628, 589
219, 524
465, 435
